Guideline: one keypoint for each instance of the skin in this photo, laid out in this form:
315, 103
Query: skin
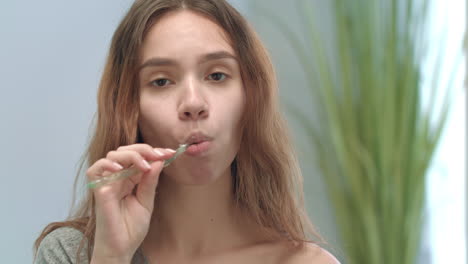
195, 219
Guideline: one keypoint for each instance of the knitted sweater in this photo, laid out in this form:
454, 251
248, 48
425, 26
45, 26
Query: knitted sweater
61, 245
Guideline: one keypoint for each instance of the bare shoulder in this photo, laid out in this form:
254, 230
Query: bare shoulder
308, 254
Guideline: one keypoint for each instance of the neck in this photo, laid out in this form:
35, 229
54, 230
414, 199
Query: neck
194, 220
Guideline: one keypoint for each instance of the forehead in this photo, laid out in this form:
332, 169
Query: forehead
182, 34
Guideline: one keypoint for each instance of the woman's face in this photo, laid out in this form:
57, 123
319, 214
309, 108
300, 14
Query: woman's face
191, 90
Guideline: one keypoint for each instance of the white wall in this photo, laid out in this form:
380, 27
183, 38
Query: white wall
446, 225
51, 56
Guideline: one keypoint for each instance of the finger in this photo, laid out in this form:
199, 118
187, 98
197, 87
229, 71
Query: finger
148, 152
128, 158
112, 192
101, 166
146, 190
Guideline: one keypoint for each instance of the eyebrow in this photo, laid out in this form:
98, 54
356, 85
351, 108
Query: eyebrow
154, 62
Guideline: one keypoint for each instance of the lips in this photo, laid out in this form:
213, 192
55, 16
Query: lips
195, 138
199, 144
198, 148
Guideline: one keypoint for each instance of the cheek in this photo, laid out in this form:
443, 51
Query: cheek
233, 113
239, 106
232, 110
153, 119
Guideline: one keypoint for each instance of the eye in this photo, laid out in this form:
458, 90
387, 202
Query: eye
217, 76
160, 82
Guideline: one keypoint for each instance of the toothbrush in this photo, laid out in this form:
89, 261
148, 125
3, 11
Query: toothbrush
131, 171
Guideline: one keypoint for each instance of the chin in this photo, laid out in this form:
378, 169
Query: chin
196, 175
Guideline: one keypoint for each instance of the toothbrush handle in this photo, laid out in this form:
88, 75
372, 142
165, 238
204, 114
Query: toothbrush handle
131, 171
119, 175
113, 177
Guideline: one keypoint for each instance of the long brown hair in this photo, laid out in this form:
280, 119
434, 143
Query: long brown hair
268, 181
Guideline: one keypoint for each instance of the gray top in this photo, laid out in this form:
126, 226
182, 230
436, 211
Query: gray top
61, 245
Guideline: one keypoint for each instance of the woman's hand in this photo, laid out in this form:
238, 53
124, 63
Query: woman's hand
123, 212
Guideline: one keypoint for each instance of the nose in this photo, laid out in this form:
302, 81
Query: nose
193, 104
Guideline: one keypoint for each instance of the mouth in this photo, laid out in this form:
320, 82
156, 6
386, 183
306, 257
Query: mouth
196, 138
198, 144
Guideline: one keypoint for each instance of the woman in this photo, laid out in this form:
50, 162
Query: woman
188, 71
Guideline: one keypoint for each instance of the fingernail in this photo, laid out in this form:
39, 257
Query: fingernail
171, 150
147, 165
118, 165
158, 152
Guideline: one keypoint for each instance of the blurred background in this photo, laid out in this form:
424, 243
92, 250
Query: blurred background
52, 55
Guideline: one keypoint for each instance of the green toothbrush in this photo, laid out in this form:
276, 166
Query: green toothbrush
131, 171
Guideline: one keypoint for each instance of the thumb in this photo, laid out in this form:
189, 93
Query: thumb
146, 189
